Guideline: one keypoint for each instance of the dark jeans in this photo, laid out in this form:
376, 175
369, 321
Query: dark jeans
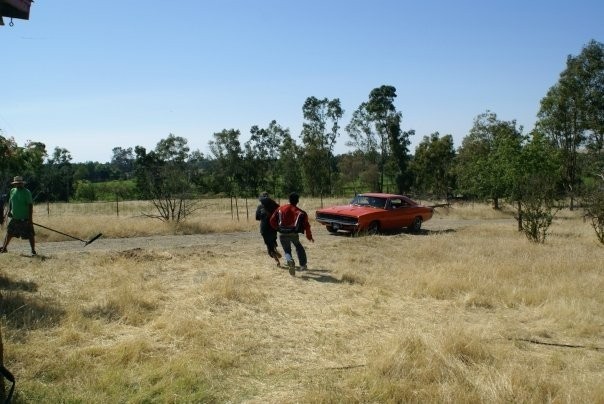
287, 239
270, 239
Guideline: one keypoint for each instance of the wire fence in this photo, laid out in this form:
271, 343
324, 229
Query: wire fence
236, 208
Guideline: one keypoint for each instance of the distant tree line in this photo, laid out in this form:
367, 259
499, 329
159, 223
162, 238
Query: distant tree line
560, 159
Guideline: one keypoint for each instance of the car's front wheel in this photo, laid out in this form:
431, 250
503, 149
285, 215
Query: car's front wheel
374, 228
416, 225
331, 229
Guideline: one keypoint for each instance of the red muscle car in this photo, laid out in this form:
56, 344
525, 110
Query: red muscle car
374, 212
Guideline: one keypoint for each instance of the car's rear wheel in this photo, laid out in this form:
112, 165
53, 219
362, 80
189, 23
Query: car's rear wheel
416, 225
373, 228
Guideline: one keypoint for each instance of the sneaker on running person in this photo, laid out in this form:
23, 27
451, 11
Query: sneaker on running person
291, 265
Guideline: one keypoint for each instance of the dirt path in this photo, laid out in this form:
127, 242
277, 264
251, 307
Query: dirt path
209, 240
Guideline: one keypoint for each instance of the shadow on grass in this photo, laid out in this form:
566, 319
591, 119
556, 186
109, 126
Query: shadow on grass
28, 313
8, 284
21, 311
38, 257
318, 275
422, 232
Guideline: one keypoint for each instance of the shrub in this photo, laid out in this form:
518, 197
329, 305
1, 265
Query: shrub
536, 219
537, 208
594, 208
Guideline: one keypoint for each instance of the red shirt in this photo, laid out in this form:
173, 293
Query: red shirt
288, 218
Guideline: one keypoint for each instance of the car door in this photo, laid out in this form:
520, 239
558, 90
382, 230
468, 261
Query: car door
395, 215
403, 213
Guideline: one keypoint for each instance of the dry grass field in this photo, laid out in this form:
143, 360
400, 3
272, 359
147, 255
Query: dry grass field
467, 311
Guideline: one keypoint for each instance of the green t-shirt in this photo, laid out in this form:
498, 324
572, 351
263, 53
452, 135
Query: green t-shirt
20, 199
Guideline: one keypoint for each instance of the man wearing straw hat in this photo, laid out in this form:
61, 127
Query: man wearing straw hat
20, 210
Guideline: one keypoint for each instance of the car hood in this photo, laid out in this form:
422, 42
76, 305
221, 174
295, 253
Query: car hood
349, 210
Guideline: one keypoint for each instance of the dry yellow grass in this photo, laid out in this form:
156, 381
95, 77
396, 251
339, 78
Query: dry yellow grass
130, 218
465, 314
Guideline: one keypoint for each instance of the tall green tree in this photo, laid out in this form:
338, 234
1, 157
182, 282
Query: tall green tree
57, 180
535, 187
375, 129
123, 161
146, 172
27, 161
589, 69
358, 172
486, 161
262, 154
94, 171
320, 130
9, 162
173, 148
199, 167
572, 112
289, 166
398, 165
228, 155
433, 165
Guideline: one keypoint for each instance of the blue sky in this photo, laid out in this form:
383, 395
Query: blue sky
89, 75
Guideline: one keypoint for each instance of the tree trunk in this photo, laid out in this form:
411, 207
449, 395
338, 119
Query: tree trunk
519, 218
247, 211
496, 203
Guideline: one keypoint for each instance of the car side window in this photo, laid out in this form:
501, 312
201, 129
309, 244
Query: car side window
396, 203
378, 203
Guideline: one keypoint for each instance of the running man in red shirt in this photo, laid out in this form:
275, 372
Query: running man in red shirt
290, 221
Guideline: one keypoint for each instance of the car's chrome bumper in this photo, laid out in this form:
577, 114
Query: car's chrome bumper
339, 224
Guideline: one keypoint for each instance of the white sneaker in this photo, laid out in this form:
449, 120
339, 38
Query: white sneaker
303, 268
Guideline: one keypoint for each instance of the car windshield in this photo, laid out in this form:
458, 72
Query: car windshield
364, 200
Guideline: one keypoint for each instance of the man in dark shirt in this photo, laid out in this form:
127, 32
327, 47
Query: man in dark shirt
263, 213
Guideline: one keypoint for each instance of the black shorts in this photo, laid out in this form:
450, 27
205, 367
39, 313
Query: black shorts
20, 228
